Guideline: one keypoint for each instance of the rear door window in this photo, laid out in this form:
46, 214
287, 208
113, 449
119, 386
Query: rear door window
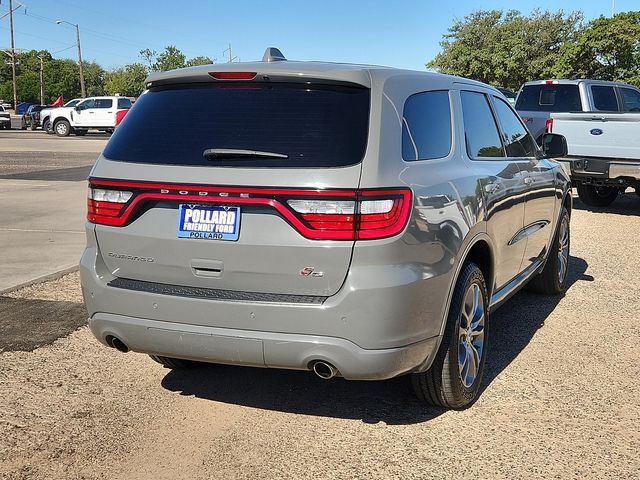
426, 126
103, 103
313, 125
480, 129
517, 139
604, 98
549, 98
630, 100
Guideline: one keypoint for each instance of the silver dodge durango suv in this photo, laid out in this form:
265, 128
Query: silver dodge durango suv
352, 220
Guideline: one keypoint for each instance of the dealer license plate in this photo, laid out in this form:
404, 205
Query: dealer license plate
209, 222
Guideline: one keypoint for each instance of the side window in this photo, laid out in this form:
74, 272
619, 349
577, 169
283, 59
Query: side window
630, 100
480, 130
124, 103
426, 126
517, 139
604, 98
104, 103
87, 104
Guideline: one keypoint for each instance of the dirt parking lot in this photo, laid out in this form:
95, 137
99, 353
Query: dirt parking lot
561, 398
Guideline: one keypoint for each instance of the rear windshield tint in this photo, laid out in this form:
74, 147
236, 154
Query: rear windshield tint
314, 125
549, 98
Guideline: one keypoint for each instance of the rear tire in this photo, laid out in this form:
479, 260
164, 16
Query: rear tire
596, 196
552, 280
174, 363
23, 125
62, 128
33, 126
47, 127
454, 379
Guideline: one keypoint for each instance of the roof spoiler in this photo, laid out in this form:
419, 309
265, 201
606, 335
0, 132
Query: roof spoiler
272, 54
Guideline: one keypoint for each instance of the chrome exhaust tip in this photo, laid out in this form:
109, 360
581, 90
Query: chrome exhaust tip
116, 343
324, 370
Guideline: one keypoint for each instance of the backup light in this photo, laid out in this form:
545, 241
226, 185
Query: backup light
112, 196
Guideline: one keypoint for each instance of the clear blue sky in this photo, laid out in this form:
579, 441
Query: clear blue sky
399, 33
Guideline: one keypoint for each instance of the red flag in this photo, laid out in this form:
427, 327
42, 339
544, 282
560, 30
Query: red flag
59, 102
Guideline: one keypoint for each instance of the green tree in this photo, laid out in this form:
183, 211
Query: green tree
201, 60
505, 48
606, 49
128, 80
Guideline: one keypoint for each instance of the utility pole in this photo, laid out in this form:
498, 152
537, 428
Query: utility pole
231, 57
82, 89
13, 58
41, 79
613, 8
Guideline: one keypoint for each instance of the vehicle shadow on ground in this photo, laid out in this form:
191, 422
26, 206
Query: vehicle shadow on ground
627, 204
390, 401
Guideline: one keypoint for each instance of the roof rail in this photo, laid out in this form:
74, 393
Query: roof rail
272, 54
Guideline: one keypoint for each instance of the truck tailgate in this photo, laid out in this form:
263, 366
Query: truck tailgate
604, 135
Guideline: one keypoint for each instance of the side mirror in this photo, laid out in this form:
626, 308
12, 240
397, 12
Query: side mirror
76, 108
554, 145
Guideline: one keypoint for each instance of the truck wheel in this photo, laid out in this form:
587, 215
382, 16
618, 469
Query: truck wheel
454, 379
172, 363
80, 132
62, 128
46, 126
23, 125
33, 126
596, 196
552, 280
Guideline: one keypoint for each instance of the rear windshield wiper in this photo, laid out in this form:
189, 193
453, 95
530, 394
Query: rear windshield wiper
229, 153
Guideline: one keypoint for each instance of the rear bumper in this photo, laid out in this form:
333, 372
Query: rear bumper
379, 325
259, 349
596, 170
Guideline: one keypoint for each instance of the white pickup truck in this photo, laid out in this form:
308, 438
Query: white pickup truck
604, 153
97, 113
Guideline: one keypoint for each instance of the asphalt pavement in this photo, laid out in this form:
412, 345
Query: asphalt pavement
43, 202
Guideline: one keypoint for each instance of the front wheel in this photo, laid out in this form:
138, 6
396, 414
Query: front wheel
454, 379
552, 280
596, 196
62, 128
47, 127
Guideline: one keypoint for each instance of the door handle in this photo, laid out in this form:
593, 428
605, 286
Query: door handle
492, 187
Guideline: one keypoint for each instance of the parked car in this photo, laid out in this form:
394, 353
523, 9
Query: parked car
5, 119
604, 151
297, 222
46, 114
537, 100
98, 113
31, 118
6, 104
510, 95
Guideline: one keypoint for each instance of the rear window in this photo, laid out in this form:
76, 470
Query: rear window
314, 125
124, 103
549, 98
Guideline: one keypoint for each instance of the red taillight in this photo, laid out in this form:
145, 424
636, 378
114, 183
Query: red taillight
316, 214
233, 75
548, 125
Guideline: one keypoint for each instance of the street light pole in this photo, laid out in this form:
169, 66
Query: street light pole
83, 92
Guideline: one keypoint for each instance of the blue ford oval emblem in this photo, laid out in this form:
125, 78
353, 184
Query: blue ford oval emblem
595, 131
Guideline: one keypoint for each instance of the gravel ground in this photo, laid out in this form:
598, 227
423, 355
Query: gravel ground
561, 398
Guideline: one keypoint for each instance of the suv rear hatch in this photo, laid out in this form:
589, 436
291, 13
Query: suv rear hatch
247, 186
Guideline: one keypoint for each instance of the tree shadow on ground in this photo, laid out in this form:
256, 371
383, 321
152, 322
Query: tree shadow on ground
390, 401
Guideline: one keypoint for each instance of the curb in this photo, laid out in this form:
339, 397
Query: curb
43, 279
